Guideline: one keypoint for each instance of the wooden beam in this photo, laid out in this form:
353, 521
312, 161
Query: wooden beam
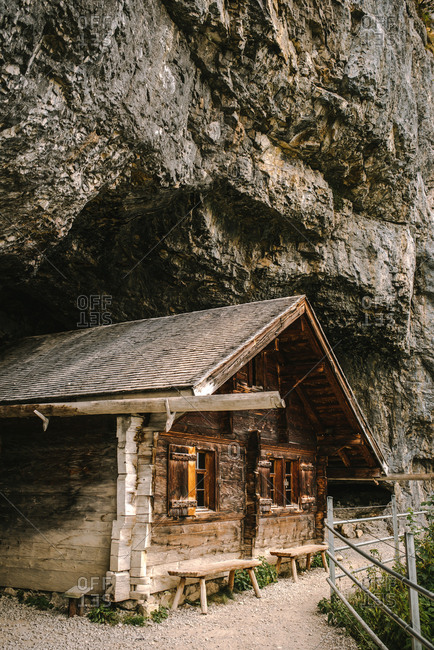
310, 410
230, 402
304, 368
352, 472
367, 455
343, 454
390, 477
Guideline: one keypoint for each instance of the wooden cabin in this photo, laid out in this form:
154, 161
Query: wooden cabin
129, 449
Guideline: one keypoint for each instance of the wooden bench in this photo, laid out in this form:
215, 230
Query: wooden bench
300, 551
207, 571
73, 595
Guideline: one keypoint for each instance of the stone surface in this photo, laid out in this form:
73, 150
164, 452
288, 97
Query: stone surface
179, 154
349, 530
9, 591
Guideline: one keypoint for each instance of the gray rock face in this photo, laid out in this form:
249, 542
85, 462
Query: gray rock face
180, 154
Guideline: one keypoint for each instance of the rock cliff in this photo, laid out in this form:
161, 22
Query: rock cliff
171, 155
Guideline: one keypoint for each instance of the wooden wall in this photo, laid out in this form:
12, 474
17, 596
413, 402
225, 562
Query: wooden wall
236, 528
57, 501
210, 535
281, 531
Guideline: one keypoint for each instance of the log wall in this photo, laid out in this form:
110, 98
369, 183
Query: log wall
57, 502
208, 535
238, 439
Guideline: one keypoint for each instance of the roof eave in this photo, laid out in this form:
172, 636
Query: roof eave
233, 362
348, 392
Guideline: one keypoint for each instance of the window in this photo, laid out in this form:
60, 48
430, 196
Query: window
205, 480
287, 483
273, 486
279, 484
191, 480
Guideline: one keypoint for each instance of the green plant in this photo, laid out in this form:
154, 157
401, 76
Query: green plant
40, 602
242, 581
265, 575
103, 615
317, 561
134, 619
392, 592
158, 615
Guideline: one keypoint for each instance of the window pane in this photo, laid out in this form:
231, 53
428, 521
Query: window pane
288, 485
200, 460
200, 498
273, 481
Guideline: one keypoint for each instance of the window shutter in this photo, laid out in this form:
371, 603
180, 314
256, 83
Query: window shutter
182, 481
265, 501
307, 484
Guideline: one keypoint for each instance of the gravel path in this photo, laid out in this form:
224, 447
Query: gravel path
286, 617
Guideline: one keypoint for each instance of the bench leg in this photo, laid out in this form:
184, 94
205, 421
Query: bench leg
278, 563
254, 582
294, 569
231, 580
80, 608
308, 561
72, 607
324, 561
203, 602
178, 593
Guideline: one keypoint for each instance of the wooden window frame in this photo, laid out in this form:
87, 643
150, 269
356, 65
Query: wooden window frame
182, 478
272, 490
209, 479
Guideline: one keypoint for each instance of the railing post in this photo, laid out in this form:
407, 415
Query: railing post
331, 542
395, 522
413, 594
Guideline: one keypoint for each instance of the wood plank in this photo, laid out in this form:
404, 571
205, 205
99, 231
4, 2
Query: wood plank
213, 568
299, 551
218, 402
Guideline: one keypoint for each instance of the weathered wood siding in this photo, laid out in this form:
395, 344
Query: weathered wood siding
238, 439
57, 501
208, 535
280, 531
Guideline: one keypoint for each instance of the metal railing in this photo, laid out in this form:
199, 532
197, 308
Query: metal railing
413, 629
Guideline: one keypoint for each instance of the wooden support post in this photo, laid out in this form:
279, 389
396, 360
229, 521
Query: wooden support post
294, 569
395, 522
413, 594
178, 594
254, 582
331, 540
72, 607
231, 580
308, 561
203, 602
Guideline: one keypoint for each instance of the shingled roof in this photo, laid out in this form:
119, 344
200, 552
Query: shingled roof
157, 354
